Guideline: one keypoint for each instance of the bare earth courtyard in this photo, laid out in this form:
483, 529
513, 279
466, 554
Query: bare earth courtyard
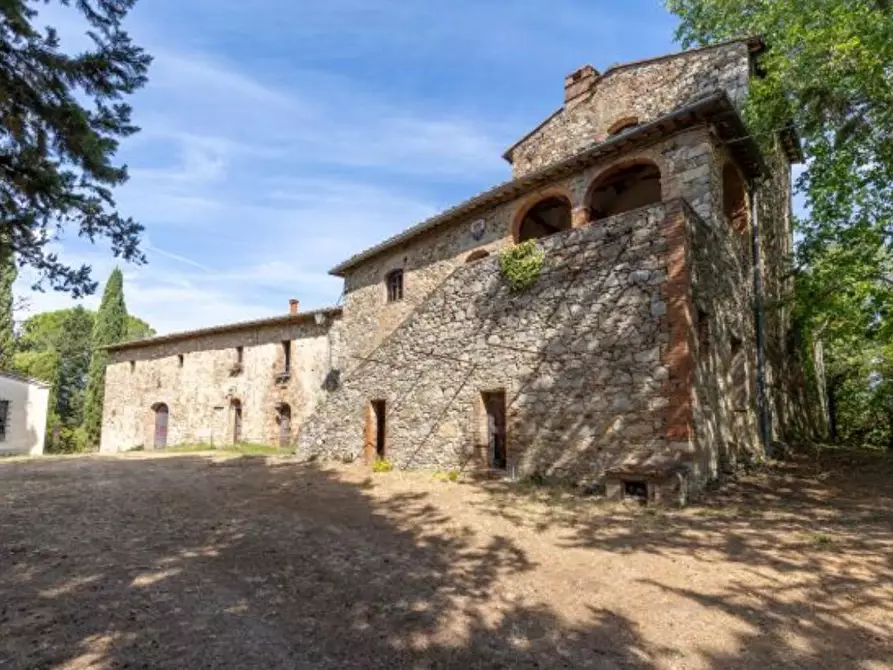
195, 561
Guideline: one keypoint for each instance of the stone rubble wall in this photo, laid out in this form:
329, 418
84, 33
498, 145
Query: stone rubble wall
199, 393
580, 356
429, 259
646, 92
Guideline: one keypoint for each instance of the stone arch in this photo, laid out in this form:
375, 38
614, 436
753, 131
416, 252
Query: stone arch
478, 255
623, 123
734, 198
544, 214
623, 188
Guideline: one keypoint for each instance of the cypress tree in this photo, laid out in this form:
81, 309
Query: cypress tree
7, 277
110, 327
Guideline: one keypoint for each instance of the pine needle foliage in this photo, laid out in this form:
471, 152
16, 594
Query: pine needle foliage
61, 119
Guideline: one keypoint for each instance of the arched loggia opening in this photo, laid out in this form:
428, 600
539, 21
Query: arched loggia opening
624, 189
547, 217
734, 199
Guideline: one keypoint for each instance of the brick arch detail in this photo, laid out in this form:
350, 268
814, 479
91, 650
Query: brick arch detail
533, 200
622, 164
621, 123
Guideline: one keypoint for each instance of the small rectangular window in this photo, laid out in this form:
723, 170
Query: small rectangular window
132, 366
395, 285
4, 417
240, 353
286, 350
180, 360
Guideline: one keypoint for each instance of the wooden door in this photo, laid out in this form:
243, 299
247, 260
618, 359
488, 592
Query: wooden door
285, 426
161, 421
494, 403
237, 422
379, 409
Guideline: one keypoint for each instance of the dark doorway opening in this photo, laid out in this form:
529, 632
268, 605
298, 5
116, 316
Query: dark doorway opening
237, 421
284, 418
494, 404
636, 490
161, 419
379, 410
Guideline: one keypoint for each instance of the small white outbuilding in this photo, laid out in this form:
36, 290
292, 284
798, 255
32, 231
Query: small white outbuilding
23, 414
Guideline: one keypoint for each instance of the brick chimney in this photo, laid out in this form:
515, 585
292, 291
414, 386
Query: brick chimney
293, 306
578, 83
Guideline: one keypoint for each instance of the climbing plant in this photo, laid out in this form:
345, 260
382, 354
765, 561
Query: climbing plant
521, 264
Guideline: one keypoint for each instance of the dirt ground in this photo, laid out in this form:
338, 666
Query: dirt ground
192, 561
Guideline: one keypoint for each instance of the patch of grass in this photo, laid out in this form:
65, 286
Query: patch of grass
245, 449
821, 539
382, 465
449, 476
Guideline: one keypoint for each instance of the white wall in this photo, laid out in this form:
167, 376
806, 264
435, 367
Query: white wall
27, 420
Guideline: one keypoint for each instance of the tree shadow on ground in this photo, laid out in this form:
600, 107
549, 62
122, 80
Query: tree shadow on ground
185, 562
810, 542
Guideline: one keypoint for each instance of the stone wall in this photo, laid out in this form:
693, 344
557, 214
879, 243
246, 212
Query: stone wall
583, 357
199, 392
645, 91
428, 259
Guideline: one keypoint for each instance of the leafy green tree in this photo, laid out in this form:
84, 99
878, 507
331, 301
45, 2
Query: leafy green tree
56, 347
61, 119
110, 327
137, 329
829, 69
73, 355
7, 329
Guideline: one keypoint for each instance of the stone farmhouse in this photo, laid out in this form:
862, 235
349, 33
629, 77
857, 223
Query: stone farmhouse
654, 351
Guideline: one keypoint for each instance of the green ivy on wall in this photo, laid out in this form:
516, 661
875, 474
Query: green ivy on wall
521, 264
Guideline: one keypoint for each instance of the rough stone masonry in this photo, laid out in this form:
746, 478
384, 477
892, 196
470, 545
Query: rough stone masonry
632, 363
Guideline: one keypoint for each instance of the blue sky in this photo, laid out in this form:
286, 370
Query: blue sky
281, 136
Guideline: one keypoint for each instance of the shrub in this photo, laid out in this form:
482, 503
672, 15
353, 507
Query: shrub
68, 441
521, 264
453, 475
382, 465
536, 479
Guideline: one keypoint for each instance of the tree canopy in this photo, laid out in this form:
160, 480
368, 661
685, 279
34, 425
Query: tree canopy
828, 68
61, 119
56, 347
110, 327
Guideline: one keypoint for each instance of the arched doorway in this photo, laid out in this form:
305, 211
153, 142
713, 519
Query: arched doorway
162, 414
547, 217
624, 189
237, 421
283, 418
